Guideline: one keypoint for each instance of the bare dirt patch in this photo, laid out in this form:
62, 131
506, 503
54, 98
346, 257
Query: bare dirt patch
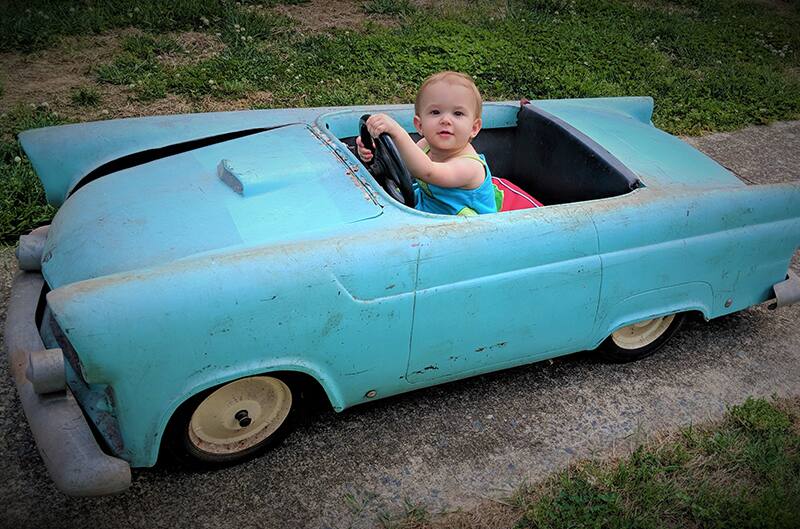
49, 75
48, 78
322, 15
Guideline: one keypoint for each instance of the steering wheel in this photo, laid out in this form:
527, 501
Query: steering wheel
388, 167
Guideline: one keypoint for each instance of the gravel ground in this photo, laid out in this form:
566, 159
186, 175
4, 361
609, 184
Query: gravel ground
455, 445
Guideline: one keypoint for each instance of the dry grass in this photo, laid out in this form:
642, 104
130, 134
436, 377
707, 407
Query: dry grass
322, 15
48, 76
195, 47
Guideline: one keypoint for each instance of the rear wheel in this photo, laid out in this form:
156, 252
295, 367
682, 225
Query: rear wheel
233, 422
641, 339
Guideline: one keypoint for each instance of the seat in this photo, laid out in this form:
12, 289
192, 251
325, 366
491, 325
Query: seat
510, 197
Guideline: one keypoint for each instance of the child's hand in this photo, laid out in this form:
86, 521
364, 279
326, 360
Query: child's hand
377, 124
363, 153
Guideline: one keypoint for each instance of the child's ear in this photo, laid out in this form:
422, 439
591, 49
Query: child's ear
476, 128
418, 124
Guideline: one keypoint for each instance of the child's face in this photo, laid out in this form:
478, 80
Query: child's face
447, 116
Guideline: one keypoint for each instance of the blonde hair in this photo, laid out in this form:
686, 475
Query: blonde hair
452, 78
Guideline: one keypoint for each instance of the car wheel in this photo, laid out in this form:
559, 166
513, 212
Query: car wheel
641, 339
233, 422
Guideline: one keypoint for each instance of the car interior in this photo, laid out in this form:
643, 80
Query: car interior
550, 160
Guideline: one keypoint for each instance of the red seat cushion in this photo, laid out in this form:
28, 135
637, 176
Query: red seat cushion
513, 196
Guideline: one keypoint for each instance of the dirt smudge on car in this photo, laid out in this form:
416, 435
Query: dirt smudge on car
334, 320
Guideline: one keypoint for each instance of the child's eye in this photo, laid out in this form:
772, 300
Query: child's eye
435, 112
459, 113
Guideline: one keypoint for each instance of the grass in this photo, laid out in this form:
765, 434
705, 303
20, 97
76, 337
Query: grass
742, 472
22, 202
31, 25
388, 7
85, 96
711, 65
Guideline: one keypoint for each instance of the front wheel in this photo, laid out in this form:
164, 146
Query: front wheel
639, 340
233, 422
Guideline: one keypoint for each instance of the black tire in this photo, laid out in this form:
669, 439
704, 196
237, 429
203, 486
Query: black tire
207, 452
616, 349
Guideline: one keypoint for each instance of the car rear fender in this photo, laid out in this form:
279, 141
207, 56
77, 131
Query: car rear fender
694, 296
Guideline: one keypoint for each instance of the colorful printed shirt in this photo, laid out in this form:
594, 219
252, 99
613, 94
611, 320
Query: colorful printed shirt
457, 201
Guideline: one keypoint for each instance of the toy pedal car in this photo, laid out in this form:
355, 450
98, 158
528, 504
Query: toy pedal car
204, 270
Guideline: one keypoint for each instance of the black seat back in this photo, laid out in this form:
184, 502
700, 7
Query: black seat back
557, 163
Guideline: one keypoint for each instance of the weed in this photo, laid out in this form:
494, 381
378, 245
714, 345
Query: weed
415, 516
85, 96
358, 500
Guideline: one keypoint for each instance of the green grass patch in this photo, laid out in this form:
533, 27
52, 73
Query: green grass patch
85, 96
743, 472
30, 25
22, 202
709, 65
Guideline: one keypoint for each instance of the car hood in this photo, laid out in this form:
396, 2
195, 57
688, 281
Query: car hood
286, 183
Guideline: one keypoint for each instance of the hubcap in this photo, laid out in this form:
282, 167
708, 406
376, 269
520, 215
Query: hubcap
641, 334
239, 415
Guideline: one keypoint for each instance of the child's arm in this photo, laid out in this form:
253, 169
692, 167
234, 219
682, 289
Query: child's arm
461, 172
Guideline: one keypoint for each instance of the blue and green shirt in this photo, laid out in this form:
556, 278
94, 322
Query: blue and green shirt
457, 201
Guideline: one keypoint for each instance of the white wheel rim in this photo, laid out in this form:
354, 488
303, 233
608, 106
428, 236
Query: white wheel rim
239, 415
638, 335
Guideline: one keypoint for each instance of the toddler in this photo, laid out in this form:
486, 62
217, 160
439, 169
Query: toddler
452, 178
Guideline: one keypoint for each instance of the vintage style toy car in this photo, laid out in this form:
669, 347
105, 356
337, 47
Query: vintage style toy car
203, 269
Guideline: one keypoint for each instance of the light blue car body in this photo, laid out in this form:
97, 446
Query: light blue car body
166, 281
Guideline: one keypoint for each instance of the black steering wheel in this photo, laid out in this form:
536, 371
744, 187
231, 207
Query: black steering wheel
387, 166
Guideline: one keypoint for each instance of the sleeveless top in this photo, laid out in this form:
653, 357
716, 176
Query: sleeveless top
454, 200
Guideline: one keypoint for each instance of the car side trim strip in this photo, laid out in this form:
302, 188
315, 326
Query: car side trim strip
74, 460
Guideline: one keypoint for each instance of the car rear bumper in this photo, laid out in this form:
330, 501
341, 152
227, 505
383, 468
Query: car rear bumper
74, 460
787, 292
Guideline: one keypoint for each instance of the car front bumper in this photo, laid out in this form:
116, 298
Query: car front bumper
74, 460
